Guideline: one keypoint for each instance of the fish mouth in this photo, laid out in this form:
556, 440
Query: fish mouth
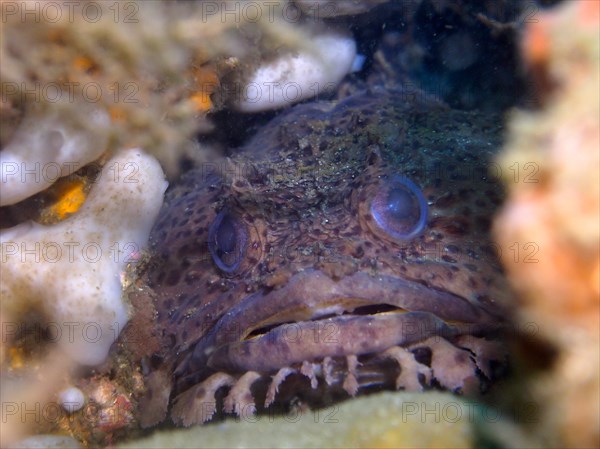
314, 316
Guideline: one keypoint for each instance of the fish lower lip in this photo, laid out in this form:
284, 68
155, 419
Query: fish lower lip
290, 343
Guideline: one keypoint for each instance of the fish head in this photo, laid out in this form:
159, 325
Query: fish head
341, 235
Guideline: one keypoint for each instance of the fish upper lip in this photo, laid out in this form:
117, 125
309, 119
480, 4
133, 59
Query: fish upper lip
311, 295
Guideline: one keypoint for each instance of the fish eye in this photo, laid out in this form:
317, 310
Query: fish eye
227, 237
399, 208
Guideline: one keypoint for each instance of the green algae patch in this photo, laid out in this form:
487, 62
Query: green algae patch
387, 420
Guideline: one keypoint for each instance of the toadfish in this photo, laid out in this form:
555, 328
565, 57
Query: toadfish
343, 249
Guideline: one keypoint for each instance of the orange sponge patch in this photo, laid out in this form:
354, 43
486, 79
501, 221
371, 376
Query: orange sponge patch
71, 196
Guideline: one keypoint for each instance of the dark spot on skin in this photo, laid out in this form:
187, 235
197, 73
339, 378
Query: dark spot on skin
359, 252
200, 392
422, 355
172, 278
155, 361
461, 357
373, 159
170, 340
452, 249
160, 278
469, 266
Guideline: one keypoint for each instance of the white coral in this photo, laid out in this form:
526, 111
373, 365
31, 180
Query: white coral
293, 77
72, 270
47, 147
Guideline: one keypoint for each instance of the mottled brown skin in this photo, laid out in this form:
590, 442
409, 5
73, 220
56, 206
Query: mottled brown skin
312, 314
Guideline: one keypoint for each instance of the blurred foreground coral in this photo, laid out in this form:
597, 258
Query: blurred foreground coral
431, 419
551, 167
149, 71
